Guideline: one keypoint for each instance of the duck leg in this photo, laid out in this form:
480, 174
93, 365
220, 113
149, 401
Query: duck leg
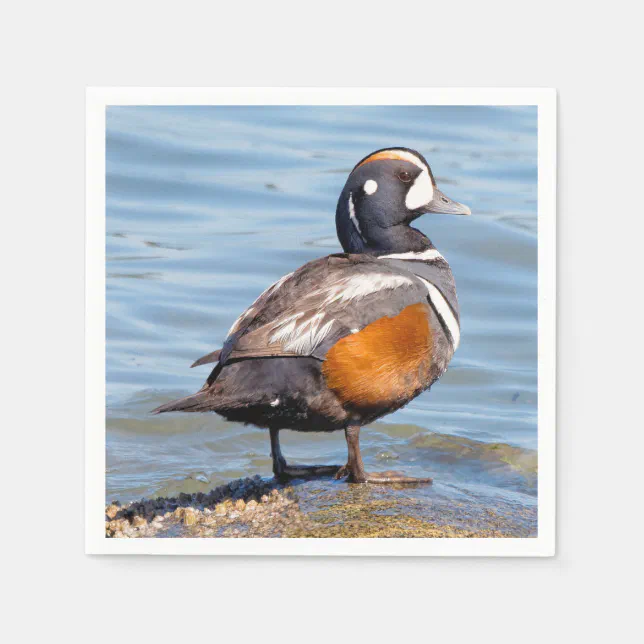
355, 468
283, 471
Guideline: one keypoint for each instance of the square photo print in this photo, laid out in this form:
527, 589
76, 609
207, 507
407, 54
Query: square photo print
320, 322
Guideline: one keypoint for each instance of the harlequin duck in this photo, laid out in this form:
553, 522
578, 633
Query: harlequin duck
351, 337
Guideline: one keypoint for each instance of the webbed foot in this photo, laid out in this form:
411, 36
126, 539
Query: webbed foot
355, 472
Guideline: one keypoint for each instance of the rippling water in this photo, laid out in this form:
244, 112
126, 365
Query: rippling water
206, 206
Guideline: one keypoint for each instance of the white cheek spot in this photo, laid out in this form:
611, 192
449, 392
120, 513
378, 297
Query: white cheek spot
370, 186
421, 191
355, 330
275, 402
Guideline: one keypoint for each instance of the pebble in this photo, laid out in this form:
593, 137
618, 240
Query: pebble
153, 517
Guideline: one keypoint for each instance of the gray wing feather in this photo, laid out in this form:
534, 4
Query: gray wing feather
310, 310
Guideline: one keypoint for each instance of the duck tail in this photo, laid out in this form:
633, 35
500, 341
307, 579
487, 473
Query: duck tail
200, 401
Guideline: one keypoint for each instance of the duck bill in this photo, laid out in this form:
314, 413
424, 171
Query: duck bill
443, 205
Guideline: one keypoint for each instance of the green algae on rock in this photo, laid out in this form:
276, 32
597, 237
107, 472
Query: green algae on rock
523, 461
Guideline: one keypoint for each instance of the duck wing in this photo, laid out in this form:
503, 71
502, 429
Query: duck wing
306, 312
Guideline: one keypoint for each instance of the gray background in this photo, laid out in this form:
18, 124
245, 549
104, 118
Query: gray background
54, 50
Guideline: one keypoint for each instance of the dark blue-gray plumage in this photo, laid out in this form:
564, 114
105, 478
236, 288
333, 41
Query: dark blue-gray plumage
347, 338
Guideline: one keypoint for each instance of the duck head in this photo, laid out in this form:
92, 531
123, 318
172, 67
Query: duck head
384, 193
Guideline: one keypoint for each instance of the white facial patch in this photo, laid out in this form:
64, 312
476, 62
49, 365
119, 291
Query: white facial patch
370, 186
421, 191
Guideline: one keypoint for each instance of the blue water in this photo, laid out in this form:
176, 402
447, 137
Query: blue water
206, 206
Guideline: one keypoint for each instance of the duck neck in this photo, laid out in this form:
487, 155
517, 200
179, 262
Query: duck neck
397, 239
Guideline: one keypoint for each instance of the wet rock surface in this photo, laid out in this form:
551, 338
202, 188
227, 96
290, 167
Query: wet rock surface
260, 507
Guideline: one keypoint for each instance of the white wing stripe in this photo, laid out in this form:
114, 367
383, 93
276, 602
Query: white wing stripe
355, 288
444, 312
305, 336
426, 255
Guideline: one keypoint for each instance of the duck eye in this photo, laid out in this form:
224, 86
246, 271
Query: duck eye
404, 176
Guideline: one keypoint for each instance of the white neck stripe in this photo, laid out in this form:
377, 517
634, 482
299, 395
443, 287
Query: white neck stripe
352, 215
444, 312
426, 255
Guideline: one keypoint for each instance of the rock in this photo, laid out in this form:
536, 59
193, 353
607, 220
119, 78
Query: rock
264, 508
220, 510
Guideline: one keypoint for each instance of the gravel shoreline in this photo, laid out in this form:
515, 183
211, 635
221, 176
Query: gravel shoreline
257, 507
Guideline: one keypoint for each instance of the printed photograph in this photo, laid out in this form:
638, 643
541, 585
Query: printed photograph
321, 321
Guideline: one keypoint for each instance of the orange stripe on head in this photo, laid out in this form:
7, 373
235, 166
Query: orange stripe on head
385, 154
397, 155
